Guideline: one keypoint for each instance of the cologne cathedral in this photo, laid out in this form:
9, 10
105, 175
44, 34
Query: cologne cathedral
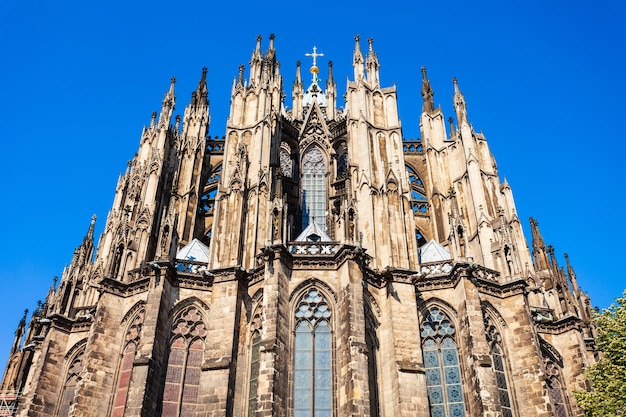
309, 262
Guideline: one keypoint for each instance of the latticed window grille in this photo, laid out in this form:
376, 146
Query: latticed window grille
182, 381
314, 188
371, 340
286, 163
126, 365
254, 373
495, 348
557, 392
441, 360
71, 381
312, 392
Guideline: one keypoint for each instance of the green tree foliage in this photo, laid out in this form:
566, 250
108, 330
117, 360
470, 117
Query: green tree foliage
607, 397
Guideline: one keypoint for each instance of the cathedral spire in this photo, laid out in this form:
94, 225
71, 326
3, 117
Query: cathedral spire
91, 227
82, 254
199, 97
168, 105
553, 261
256, 62
202, 88
372, 65
152, 120
240, 76
19, 332
572, 275
540, 254
357, 59
270, 56
298, 74
330, 80
459, 103
427, 93
331, 93
297, 94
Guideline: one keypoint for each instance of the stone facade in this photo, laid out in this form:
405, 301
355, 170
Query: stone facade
309, 262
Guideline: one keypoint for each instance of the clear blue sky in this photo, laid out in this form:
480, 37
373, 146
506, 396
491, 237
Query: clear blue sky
545, 81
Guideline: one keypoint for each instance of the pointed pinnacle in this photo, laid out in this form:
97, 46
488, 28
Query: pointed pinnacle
298, 76
240, 76
91, 227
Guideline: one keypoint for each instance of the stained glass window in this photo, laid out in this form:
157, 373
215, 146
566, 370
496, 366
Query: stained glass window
182, 380
342, 164
71, 381
495, 342
555, 387
126, 366
372, 363
441, 361
254, 373
314, 188
312, 396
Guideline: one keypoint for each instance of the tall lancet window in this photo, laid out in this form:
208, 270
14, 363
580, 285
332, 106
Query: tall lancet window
182, 381
556, 389
313, 188
132, 338
254, 373
72, 379
312, 390
441, 360
495, 347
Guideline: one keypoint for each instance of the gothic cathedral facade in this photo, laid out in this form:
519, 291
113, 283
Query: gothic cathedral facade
310, 262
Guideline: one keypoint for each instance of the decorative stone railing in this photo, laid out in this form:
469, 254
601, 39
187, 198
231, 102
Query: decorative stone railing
191, 267
419, 207
436, 268
216, 145
313, 248
412, 146
485, 274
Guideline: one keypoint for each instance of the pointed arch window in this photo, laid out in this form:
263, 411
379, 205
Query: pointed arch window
495, 349
182, 380
254, 373
72, 379
313, 188
441, 360
373, 347
556, 389
341, 150
286, 163
312, 390
207, 200
419, 202
126, 364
